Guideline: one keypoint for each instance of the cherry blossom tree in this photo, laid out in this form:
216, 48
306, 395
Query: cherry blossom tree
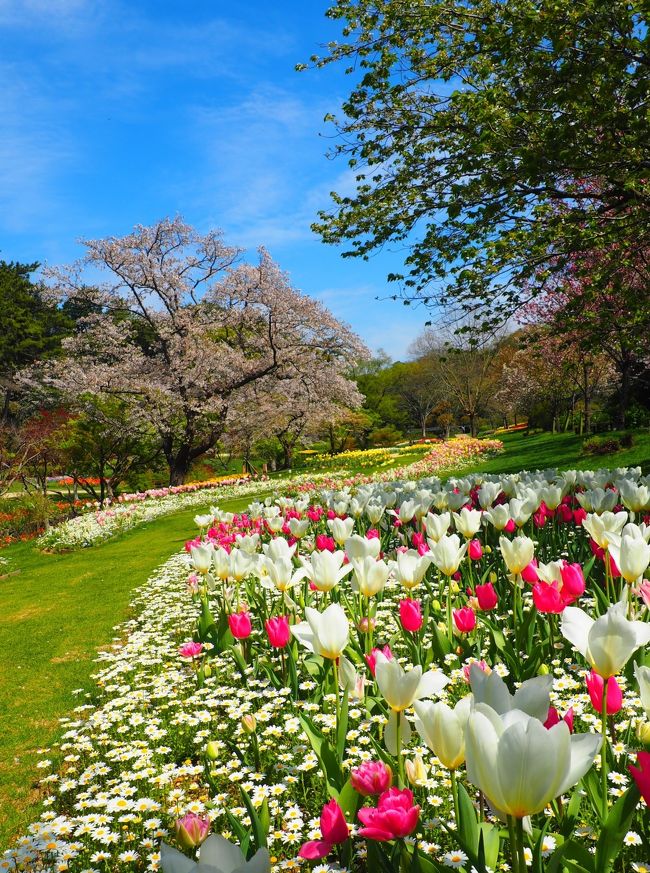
181, 328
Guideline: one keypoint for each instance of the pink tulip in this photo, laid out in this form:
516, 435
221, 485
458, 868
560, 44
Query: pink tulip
573, 582
595, 686
191, 830
554, 718
394, 817
529, 573
333, 828
190, 650
240, 625
547, 598
480, 664
410, 615
510, 526
372, 534
486, 596
641, 774
278, 631
465, 619
643, 592
325, 543
371, 659
475, 550
417, 540
371, 778
539, 518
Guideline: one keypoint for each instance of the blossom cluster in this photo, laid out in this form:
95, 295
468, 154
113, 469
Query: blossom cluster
404, 673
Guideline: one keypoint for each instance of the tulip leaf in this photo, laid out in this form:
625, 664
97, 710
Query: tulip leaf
260, 822
439, 642
243, 836
468, 825
342, 726
614, 828
349, 800
422, 863
573, 857
377, 859
325, 753
238, 658
488, 845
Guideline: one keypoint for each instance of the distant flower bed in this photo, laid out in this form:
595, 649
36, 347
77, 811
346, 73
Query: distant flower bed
96, 526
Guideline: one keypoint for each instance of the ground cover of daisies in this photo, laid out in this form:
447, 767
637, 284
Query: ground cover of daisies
394, 676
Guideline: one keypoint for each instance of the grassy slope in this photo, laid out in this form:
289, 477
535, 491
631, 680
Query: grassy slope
54, 615
563, 450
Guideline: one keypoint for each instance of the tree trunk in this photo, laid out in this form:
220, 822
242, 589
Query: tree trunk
179, 466
623, 392
472, 423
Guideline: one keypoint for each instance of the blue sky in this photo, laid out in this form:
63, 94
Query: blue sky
119, 113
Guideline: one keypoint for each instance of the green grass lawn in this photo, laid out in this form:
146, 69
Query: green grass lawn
562, 450
54, 616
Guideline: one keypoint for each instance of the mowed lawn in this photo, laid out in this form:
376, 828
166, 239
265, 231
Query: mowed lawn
54, 616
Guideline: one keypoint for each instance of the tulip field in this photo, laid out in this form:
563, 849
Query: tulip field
387, 675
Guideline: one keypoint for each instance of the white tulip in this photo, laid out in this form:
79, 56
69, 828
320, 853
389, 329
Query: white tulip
248, 543
601, 527
202, 520
221, 563
411, 567
521, 510
370, 576
358, 547
517, 553
400, 690
632, 555
498, 516
635, 497
519, 765
488, 493
443, 729
275, 524
280, 574
217, 855
436, 526
447, 553
341, 529
467, 522
643, 678
606, 643
324, 633
551, 495
532, 697
201, 557
279, 549
298, 527
326, 569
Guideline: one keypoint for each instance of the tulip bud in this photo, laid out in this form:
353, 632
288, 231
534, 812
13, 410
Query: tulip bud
643, 732
249, 724
191, 830
435, 605
543, 670
416, 770
212, 750
207, 671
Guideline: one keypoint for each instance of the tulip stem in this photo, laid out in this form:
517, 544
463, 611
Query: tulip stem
338, 694
512, 837
450, 635
400, 758
454, 791
520, 844
603, 752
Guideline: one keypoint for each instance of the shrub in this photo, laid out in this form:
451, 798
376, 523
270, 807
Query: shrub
607, 444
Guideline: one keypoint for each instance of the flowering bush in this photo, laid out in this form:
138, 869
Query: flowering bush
341, 681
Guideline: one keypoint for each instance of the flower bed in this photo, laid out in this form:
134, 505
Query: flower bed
98, 525
340, 683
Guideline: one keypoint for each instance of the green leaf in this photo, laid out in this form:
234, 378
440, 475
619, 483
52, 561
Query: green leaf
468, 825
260, 832
326, 755
489, 841
342, 727
349, 800
617, 824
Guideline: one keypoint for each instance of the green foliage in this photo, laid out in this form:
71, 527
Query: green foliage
30, 327
491, 140
607, 444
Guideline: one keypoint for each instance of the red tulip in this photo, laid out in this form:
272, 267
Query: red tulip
465, 619
595, 686
394, 817
278, 631
573, 582
325, 543
486, 596
553, 718
371, 778
240, 625
641, 774
547, 598
371, 659
510, 526
333, 828
529, 573
475, 550
410, 615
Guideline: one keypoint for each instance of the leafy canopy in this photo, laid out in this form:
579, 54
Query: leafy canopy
493, 140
